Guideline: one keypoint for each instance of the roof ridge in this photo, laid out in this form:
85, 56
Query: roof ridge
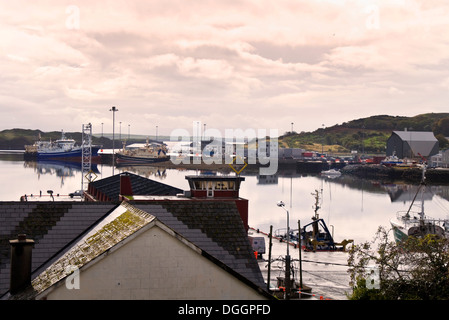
89, 248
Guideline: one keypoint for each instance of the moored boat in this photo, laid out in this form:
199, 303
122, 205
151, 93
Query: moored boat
315, 236
331, 173
418, 224
63, 148
143, 155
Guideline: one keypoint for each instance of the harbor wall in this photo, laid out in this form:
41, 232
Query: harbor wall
381, 172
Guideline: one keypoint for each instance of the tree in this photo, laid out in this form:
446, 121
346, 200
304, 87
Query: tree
414, 269
442, 127
442, 141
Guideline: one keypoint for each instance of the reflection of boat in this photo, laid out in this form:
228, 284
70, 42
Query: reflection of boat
315, 236
63, 148
417, 224
142, 155
62, 169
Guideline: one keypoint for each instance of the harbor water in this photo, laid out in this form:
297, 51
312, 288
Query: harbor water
352, 208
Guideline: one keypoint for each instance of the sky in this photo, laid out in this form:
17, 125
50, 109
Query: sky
234, 64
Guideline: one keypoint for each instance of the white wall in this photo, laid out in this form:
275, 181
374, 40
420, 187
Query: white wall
155, 265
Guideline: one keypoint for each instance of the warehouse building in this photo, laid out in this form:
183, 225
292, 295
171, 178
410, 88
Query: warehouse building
412, 144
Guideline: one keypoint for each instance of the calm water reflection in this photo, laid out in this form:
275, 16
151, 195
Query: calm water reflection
354, 208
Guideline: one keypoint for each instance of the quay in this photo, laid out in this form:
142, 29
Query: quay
412, 174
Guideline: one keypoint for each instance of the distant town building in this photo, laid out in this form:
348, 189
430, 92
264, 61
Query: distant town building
412, 144
440, 160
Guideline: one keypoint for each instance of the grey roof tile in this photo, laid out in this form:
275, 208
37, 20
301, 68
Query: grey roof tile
52, 225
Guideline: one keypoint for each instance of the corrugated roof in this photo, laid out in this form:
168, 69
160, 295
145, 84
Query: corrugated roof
416, 135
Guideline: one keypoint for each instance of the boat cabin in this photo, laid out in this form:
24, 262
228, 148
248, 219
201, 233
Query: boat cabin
205, 186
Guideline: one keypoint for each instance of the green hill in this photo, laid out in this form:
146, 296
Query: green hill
366, 134
16, 139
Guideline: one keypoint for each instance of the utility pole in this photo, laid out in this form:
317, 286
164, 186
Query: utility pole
287, 257
114, 110
269, 258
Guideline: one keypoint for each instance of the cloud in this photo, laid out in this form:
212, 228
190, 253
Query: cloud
235, 63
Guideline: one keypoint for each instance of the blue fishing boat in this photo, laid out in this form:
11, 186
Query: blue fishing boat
63, 148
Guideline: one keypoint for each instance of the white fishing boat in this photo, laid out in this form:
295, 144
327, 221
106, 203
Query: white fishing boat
143, 155
331, 173
417, 223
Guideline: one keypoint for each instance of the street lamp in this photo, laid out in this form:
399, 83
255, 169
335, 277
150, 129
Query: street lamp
114, 110
287, 257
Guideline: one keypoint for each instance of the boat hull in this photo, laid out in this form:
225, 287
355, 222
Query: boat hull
122, 159
77, 153
73, 155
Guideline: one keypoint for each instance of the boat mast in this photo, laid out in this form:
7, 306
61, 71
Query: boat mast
421, 185
316, 216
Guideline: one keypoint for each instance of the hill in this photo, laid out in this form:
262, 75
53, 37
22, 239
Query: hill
16, 139
366, 134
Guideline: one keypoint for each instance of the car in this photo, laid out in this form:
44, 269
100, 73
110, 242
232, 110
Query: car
77, 193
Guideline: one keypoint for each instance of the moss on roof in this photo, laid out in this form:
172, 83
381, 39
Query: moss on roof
91, 247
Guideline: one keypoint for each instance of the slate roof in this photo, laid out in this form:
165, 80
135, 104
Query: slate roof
214, 227
110, 186
52, 225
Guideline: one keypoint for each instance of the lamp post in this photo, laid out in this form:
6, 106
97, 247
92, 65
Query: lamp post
287, 257
114, 110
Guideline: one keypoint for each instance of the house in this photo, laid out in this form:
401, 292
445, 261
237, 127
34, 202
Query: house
412, 144
132, 254
108, 189
445, 158
52, 226
128, 186
145, 247
440, 160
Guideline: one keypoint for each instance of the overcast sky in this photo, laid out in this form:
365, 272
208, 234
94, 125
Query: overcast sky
227, 64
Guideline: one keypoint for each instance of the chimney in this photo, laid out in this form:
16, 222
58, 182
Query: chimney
125, 185
20, 263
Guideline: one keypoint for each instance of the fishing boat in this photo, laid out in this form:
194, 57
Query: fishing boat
143, 155
331, 173
392, 161
417, 223
315, 236
63, 148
